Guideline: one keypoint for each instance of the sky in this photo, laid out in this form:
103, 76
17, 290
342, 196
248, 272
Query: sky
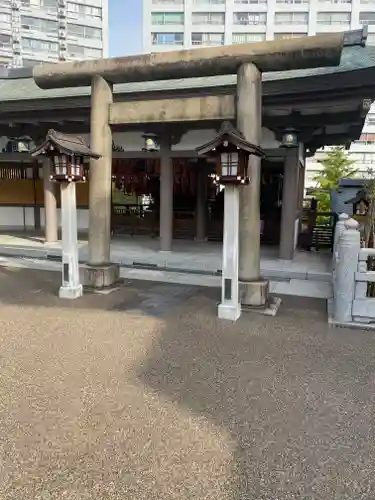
125, 27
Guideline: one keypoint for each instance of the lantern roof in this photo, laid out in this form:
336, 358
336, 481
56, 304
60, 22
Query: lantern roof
229, 133
362, 195
64, 143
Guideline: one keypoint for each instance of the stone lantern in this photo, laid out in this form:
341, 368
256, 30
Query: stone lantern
67, 154
232, 153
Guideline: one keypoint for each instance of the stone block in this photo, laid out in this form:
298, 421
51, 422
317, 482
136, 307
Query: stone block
254, 293
99, 276
70, 292
229, 312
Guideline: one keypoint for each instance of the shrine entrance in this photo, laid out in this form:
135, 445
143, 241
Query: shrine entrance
136, 199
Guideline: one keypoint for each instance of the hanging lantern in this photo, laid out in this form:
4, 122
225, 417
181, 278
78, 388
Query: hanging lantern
232, 153
289, 139
151, 145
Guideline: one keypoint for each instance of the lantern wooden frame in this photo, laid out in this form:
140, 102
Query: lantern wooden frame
67, 168
231, 152
67, 154
151, 143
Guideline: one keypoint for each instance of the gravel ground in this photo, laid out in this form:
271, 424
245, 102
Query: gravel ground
144, 394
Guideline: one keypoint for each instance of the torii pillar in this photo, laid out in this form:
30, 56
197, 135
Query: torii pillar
99, 271
249, 122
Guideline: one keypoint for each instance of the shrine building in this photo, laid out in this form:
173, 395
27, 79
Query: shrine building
165, 191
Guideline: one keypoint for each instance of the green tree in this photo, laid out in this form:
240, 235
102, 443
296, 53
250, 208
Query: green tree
336, 165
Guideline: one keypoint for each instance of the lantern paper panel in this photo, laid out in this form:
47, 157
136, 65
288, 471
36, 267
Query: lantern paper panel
68, 168
231, 166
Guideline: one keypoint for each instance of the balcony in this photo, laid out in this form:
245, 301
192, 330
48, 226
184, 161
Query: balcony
325, 6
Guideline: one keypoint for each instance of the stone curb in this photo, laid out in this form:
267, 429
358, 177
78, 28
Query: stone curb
350, 324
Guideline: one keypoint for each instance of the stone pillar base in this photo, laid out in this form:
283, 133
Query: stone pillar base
70, 292
99, 276
231, 313
254, 293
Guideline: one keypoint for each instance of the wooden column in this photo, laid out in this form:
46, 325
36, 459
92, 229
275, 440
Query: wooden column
166, 195
301, 186
201, 203
50, 204
37, 218
289, 209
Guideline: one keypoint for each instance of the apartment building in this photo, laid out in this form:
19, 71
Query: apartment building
34, 31
362, 152
169, 24
173, 24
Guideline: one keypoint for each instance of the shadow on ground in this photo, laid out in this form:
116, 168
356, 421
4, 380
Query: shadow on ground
40, 289
144, 394
295, 396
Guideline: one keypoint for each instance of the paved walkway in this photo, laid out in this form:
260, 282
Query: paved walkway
309, 274
144, 394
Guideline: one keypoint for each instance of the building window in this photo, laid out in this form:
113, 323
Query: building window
368, 2
167, 38
287, 36
84, 10
247, 18
5, 41
367, 17
32, 45
47, 4
248, 37
366, 138
291, 17
370, 119
5, 62
250, 2
335, 2
87, 32
208, 18
333, 18
207, 39
292, 2
168, 2
167, 18
209, 2
82, 52
370, 39
31, 62
36, 24
5, 18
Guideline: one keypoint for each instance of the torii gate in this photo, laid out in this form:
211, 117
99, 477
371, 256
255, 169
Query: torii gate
248, 61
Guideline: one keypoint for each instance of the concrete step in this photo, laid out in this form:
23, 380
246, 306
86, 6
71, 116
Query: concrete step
297, 287
277, 270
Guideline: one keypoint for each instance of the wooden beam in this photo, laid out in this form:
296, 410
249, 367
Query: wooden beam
300, 121
173, 110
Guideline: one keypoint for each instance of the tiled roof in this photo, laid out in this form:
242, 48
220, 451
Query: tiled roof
65, 143
353, 58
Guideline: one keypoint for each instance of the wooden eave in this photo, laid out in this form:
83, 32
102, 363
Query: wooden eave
233, 136
64, 143
294, 94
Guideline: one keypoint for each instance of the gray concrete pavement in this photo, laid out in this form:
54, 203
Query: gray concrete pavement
145, 394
